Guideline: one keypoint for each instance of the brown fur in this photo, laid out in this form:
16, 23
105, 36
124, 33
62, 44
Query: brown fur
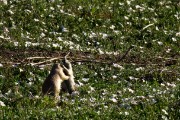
68, 85
52, 84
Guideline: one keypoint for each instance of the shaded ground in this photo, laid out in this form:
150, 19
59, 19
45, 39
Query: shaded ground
35, 56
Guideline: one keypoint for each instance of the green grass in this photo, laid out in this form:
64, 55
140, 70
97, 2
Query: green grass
144, 85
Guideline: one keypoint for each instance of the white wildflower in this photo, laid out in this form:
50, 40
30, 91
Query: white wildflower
114, 76
126, 113
92, 35
84, 33
75, 36
171, 85
4, 1
27, 11
122, 4
16, 83
92, 99
52, 16
172, 96
154, 90
139, 69
105, 106
52, 1
120, 113
131, 77
85, 79
21, 70
118, 66
59, 38
164, 111
55, 45
27, 44
51, 8
100, 51
134, 102
130, 90
2, 37
36, 97
154, 101
80, 8
16, 43
128, 2
42, 35
137, 6
174, 39
126, 17
2, 104
128, 23
113, 100
160, 43
178, 34
116, 32
36, 20
64, 29
112, 27
150, 96
157, 28
104, 36
79, 63
164, 117
35, 44
62, 11
91, 88
11, 12
1, 65
168, 50
44, 24
114, 95
141, 97
9, 92
1, 76
29, 84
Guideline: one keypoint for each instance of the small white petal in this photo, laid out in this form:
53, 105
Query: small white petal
160, 43
164, 111
1, 65
2, 104
126, 113
113, 100
114, 76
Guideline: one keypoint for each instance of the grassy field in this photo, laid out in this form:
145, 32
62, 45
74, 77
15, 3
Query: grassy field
144, 84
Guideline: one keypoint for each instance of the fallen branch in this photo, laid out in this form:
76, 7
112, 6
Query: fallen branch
49, 60
31, 58
80, 60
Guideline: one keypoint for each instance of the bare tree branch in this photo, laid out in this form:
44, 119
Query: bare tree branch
49, 60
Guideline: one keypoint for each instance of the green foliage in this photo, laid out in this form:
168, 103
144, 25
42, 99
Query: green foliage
143, 86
